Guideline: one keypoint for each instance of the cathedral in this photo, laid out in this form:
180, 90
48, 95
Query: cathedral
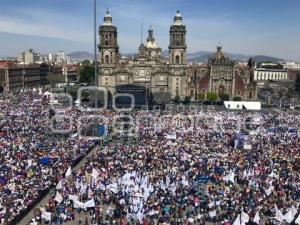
162, 79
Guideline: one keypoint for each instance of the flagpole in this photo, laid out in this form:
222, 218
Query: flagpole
95, 53
95, 43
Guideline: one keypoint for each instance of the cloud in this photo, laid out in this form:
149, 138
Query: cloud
45, 23
207, 23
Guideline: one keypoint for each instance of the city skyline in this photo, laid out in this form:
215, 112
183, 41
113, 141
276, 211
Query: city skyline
242, 27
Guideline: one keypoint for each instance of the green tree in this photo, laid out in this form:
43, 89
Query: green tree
177, 99
86, 72
237, 98
187, 99
55, 78
224, 97
297, 84
212, 96
201, 96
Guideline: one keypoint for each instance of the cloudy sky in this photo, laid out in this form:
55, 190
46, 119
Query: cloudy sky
270, 27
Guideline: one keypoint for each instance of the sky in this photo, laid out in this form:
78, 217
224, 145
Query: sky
269, 27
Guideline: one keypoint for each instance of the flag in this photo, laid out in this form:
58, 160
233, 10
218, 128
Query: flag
58, 197
73, 197
269, 190
278, 216
95, 173
171, 136
212, 204
45, 215
78, 204
89, 204
290, 215
59, 185
294, 210
212, 214
241, 219
245, 217
69, 172
297, 221
229, 177
256, 218
237, 220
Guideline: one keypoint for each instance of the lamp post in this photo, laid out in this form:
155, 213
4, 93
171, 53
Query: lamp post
95, 42
95, 53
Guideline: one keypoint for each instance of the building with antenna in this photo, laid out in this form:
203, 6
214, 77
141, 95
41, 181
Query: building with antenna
151, 77
161, 79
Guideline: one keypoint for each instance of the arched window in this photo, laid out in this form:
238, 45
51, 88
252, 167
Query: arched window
107, 59
250, 94
177, 59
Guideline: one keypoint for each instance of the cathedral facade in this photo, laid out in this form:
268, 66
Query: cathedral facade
165, 78
148, 69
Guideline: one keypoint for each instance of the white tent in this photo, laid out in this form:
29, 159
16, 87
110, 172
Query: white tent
240, 105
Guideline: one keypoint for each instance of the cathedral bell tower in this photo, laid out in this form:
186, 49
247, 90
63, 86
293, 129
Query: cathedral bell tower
177, 47
108, 47
108, 53
177, 58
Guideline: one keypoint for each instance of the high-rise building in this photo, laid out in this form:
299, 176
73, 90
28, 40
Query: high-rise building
27, 57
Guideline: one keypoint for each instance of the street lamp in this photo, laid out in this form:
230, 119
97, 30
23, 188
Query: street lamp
95, 52
95, 43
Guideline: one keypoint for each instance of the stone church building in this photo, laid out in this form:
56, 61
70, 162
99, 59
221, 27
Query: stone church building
222, 76
163, 79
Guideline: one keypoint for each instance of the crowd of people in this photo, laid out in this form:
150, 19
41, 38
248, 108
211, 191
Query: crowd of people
179, 167
32, 158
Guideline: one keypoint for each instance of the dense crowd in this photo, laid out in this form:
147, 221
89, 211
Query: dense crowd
31, 157
179, 167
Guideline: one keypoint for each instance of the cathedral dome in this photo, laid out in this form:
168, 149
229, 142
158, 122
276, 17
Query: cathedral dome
151, 44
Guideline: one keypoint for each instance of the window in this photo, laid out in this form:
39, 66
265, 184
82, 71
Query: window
250, 94
177, 59
107, 59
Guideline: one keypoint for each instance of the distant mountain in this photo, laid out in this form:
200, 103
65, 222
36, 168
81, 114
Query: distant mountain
81, 55
263, 58
199, 57
203, 56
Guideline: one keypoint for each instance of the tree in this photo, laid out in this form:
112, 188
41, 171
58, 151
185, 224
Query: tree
55, 78
177, 99
224, 97
86, 72
237, 98
212, 96
187, 99
201, 96
297, 84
